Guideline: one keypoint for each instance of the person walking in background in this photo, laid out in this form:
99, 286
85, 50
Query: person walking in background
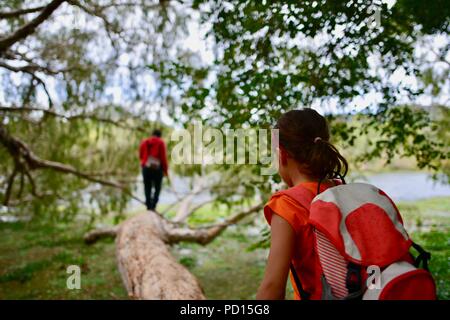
153, 158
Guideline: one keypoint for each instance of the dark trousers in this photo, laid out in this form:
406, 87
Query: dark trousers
152, 186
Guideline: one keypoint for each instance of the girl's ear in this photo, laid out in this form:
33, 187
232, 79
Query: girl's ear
283, 155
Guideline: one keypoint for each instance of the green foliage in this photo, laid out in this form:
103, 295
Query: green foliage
189, 262
269, 57
87, 146
281, 55
263, 242
432, 16
75, 65
275, 56
408, 132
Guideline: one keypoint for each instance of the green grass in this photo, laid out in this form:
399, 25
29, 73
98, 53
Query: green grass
438, 243
34, 258
34, 261
427, 215
224, 268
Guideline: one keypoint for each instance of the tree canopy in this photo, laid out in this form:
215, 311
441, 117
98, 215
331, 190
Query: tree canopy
83, 81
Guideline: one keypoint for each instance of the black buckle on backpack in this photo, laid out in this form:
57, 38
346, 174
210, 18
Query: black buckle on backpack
303, 294
353, 279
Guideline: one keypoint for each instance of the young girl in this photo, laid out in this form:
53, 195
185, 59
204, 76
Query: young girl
306, 160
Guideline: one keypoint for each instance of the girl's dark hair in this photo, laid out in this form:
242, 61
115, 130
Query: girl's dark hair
304, 134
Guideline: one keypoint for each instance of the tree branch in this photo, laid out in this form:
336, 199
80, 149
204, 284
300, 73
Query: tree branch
205, 235
30, 27
10, 186
34, 191
184, 208
20, 12
30, 70
22, 154
98, 12
174, 234
82, 116
157, 5
93, 236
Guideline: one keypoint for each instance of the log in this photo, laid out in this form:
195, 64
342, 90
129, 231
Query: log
146, 265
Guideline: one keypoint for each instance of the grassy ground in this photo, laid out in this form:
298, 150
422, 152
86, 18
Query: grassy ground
34, 258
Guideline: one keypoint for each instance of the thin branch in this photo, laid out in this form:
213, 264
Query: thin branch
30, 27
174, 234
10, 186
22, 183
21, 152
98, 12
44, 86
93, 236
30, 67
34, 191
31, 198
200, 205
20, 12
157, 5
82, 116
205, 235
184, 209
441, 56
29, 70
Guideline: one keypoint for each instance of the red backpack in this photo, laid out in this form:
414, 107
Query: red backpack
362, 246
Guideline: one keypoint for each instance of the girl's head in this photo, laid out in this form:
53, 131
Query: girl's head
304, 147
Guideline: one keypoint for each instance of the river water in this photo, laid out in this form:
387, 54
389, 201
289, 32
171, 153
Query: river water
408, 186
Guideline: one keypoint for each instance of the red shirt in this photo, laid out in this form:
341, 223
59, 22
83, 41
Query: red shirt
155, 147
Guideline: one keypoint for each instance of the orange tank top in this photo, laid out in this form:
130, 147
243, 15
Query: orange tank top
304, 260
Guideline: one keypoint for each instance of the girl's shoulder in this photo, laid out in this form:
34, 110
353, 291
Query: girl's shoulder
286, 207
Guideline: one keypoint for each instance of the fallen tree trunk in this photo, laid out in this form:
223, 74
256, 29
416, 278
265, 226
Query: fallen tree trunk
147, 267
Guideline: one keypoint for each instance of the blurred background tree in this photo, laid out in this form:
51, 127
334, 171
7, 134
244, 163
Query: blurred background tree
80, 75
64, 67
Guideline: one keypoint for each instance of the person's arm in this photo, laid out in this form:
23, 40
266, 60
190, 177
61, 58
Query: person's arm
273, 286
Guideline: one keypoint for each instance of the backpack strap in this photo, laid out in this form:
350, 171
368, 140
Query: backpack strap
303, 294
304, 197
336, 182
